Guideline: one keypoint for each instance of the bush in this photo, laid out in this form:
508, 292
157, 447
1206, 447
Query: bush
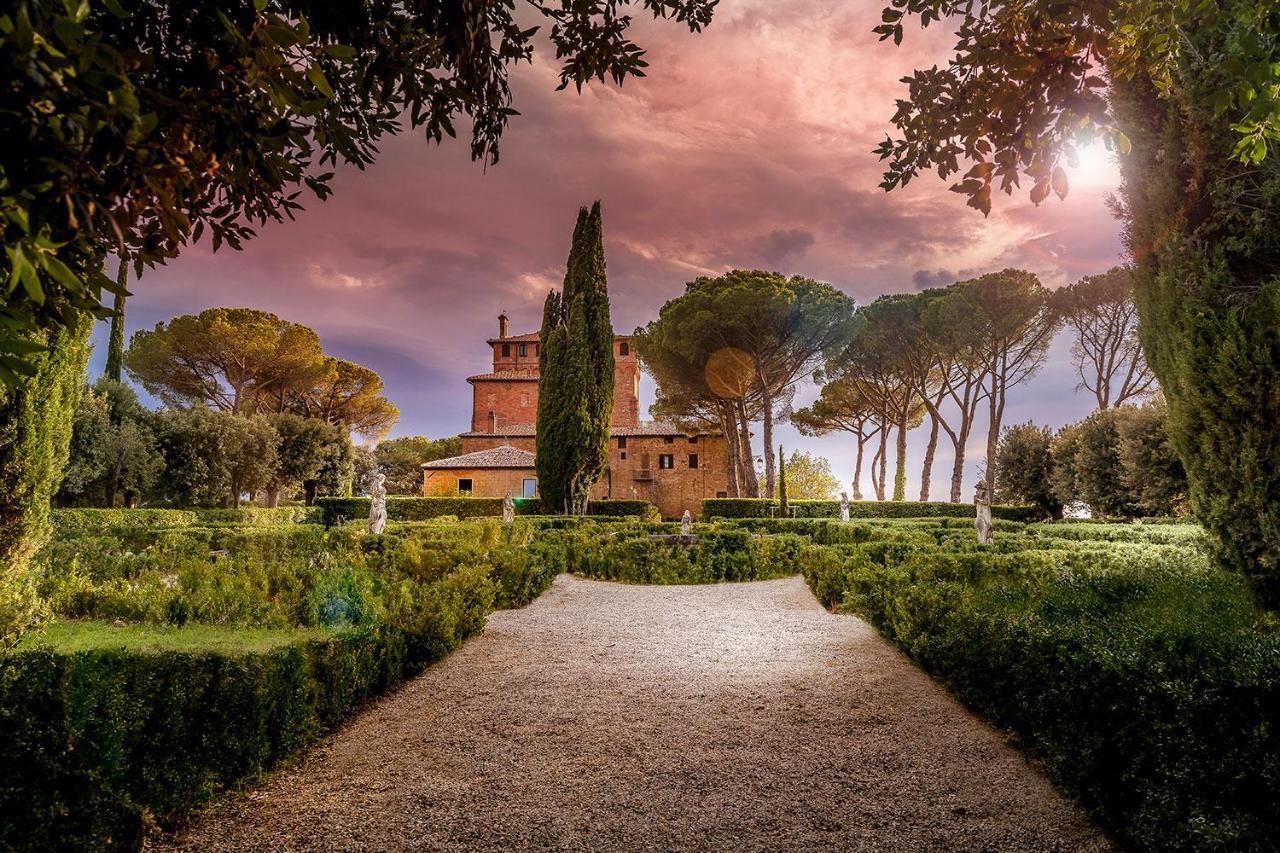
339, 510
713, 508
1143, 677
75, 522
100, 743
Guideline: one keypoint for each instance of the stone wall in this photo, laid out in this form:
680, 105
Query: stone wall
485, 482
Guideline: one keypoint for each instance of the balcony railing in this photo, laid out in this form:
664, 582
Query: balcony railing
642, 474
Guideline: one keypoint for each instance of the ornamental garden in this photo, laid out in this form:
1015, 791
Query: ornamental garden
213, 558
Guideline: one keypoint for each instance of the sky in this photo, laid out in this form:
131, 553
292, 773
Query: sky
748, 145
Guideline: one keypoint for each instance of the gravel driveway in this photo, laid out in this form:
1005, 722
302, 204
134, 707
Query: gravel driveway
605, 716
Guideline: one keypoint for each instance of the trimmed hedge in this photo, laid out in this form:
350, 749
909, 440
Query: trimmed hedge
100, 745
1144, 678
713, 508
404, 508
74, 522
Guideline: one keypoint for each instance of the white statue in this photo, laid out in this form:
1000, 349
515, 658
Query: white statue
982, 515
378, 504
508, 510
686, 524
844, 506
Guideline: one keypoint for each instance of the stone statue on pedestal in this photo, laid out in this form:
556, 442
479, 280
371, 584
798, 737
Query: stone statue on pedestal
844, 506
982, 514
378, 504
686, 524
508, 510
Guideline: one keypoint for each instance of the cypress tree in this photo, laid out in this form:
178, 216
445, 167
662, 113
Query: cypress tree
575, 362
115, 345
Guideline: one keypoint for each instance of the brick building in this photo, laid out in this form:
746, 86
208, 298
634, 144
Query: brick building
648, 460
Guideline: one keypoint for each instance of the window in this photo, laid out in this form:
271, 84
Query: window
624, 454
624, 349
622, 441
722, 494
669, 440
693, 460
464, 485
524, 350
666, 461
529, 487
506, 350
693, 439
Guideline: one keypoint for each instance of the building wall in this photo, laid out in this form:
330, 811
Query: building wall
485, 482
511, 401
515, 401
633, 472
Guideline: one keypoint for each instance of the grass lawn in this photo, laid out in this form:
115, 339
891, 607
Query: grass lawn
73, 635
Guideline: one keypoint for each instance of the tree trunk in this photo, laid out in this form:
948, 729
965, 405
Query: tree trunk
35, 440
878, 463
750, 482
273, 497
957, 467
733, 459
900, 463
857, 469
926, 473
770, 472
309, 492
994, 408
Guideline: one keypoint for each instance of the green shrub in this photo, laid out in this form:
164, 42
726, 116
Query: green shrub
339, 510
256, 516
77, 522
760, 508
100, 743
1143, 677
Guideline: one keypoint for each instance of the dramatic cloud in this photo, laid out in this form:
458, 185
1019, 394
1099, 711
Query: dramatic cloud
747, 145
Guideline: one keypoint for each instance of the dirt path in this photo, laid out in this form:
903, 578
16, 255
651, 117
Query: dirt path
603, 716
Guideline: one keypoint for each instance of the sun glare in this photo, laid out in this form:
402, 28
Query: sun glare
1096, 167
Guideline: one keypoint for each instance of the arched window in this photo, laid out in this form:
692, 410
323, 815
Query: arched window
624, 349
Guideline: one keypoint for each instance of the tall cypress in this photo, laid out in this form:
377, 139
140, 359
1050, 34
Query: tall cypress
575, 361
115, 345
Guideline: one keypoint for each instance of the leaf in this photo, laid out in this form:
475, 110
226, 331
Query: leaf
1122, 141
1039, 192
1060, 183
316, 76
61, 273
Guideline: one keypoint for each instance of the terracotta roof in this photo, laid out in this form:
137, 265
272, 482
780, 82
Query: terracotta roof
533, 336
656, 428
510, 430
505, 456
527, 336
505, 376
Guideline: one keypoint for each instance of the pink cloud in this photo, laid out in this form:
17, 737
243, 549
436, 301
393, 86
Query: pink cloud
748, 145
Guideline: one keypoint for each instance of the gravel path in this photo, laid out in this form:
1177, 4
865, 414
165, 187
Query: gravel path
604, 716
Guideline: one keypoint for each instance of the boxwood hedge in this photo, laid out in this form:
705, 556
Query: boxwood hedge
1144, 678
764, 508
405, 508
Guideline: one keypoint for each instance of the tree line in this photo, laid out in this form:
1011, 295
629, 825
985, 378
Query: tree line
729, 352
253, 405
1117, 463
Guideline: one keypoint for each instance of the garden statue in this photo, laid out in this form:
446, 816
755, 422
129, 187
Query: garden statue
378, 504
686, 524
508, 510
844, 506
982, 514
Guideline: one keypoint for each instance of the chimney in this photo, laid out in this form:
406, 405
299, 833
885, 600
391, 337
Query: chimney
502, 324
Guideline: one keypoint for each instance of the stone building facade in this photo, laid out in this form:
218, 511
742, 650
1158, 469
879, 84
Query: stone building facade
648, 460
